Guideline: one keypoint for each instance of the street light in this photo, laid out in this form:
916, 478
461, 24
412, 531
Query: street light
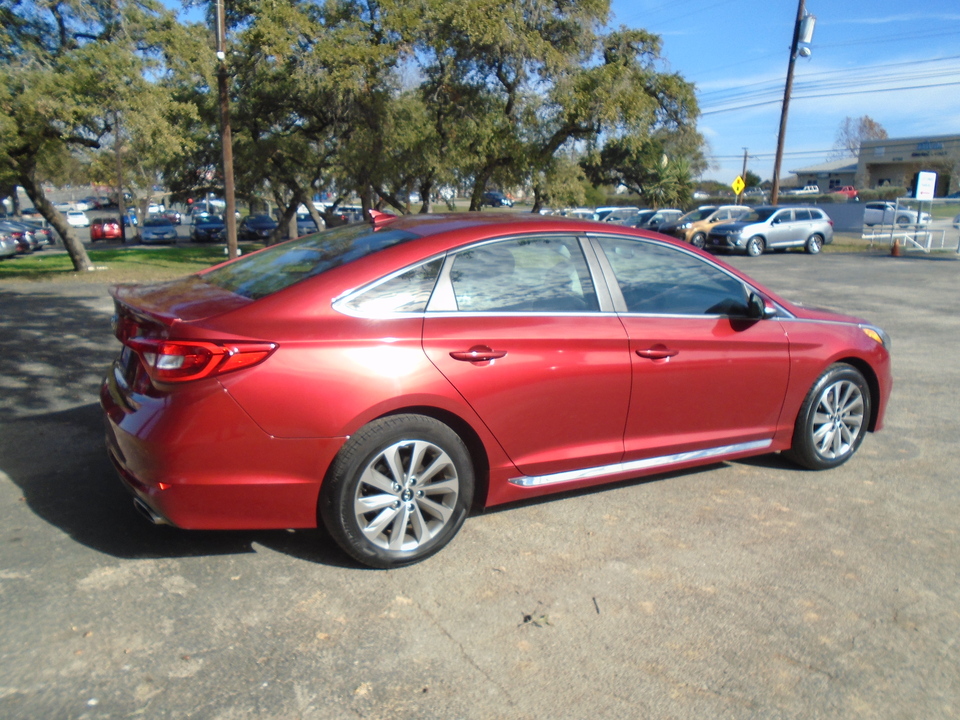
802, 37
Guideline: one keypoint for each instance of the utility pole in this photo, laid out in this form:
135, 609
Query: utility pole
744, 176
804, 26
121, 205
226, 137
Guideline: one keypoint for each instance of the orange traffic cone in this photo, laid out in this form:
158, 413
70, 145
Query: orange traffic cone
895, 250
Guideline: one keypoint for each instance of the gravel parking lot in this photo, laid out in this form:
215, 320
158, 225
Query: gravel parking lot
744, 590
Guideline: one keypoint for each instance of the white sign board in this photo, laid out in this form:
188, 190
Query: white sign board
926, 185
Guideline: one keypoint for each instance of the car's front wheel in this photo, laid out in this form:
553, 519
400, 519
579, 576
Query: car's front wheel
814, 244
833, 419
398, 491
699, 240
903, 221
755, 246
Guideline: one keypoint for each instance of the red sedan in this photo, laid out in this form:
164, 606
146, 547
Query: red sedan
384, 378
104, 229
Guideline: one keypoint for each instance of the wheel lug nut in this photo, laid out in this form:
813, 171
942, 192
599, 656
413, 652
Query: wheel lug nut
419, 493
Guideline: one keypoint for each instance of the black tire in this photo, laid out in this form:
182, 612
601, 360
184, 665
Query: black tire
903, 221
755, 246
833, 419
699, 240
814, 244
374, 502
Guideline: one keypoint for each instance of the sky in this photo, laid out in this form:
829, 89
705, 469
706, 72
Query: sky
737, 55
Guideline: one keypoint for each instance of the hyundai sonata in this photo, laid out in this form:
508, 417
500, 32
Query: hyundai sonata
383, 378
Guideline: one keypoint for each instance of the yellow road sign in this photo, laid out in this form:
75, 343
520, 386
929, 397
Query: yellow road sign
738, 185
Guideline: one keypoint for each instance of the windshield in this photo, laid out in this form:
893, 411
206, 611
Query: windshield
208, 219
278, 267
158, 222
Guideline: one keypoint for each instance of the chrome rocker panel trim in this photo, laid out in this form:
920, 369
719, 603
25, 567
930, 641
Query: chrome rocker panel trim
664, 461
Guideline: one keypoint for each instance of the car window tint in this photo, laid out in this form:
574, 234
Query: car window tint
802, 214
523, 275
665, 281
407, 292
275, 268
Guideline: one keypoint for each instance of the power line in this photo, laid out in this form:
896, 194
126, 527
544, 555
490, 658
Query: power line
823, 95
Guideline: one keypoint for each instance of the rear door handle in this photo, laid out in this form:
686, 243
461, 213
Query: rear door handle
478, 353
657, 352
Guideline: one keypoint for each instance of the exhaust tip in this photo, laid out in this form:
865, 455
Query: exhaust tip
149, 513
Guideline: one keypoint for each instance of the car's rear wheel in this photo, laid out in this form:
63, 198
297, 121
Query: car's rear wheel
398, 491
814, 244
755, 246
833, 419
699, 240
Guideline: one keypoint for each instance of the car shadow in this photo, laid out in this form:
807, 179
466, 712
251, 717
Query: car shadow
57, 345
59, 462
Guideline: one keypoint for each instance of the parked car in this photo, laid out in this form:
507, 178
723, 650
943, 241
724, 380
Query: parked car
208, 228
256, 227
887, 213
653, 219
305, 224
580, 213
23, 234
76, 218
616, 213
158, 229
848, 190
495, 199
773, 227
104, 229
46, 236
805, 190
755, 192
8, 246
382, 378
694, 226
171, 215
343, 215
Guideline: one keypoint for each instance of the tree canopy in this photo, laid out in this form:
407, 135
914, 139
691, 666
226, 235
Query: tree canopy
378, 98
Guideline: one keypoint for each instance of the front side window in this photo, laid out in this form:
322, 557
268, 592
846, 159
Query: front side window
660, 280
538, 274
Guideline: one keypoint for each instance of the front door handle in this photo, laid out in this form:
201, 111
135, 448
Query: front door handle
657, 352
478, 353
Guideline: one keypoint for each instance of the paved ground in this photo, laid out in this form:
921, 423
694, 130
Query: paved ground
743, 590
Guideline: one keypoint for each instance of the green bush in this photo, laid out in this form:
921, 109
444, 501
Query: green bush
884, 193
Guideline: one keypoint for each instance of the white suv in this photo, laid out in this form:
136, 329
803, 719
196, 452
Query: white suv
885, 213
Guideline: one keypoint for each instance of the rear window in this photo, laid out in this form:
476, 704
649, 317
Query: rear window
278, 267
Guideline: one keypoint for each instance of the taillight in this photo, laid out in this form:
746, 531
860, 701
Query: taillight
185, 360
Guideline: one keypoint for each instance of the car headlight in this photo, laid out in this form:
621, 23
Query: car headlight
877, 334
686, 226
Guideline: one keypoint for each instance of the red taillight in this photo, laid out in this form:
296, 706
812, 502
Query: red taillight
184, 360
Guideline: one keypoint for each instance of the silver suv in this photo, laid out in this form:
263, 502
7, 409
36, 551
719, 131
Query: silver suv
770, 226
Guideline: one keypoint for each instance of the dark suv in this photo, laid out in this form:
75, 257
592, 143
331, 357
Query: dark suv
496, 199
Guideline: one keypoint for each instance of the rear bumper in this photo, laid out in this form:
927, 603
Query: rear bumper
198, 461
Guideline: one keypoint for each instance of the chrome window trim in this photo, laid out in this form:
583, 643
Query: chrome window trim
663, 461
443, 300
339, 303
620, 304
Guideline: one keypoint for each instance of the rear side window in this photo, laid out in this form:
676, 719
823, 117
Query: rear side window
278, 267
407, 292
802, 214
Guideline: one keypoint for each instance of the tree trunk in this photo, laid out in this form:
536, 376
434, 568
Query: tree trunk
76, 251
426, 190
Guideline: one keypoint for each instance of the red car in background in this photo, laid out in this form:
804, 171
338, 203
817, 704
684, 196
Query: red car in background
383, 378
849, 190
104, 229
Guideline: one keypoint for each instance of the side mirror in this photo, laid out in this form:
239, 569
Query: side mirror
759, 308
